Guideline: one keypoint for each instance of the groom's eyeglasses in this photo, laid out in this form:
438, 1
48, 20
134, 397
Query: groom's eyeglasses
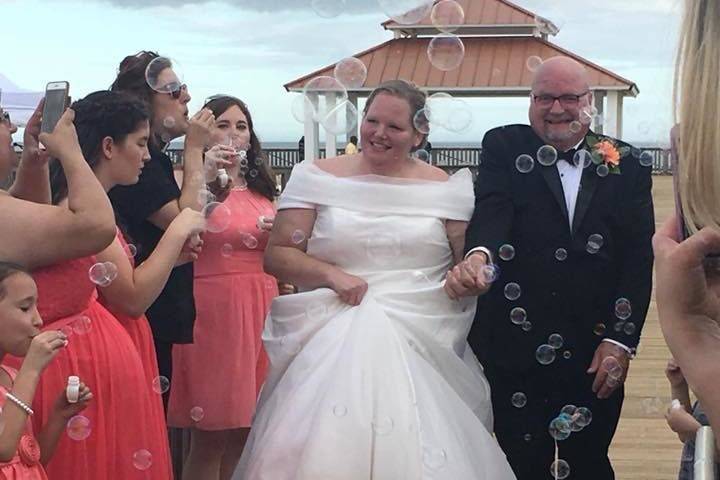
567, 101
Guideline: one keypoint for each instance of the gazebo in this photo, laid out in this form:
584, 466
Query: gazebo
499, 37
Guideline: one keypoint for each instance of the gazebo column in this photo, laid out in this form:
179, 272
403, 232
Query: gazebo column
352, 116
331, 138
311, 131
613, 118
599, 98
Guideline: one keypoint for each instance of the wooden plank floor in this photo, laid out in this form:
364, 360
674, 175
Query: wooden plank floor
644, 448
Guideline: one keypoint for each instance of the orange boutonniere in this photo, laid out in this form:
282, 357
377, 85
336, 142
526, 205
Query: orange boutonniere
606, 154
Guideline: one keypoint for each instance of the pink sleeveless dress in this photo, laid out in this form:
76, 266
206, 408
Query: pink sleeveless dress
216, 379
141, 336
25, 465
120, 442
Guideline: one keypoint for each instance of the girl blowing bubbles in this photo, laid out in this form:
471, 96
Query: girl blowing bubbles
22, 456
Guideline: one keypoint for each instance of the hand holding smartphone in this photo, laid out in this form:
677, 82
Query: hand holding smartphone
56, 101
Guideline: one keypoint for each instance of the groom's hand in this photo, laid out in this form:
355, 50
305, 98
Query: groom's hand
610, 366
468, 278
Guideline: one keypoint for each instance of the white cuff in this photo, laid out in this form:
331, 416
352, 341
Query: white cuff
483, 250
628, 350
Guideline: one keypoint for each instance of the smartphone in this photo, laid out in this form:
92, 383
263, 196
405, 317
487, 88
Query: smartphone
56, 101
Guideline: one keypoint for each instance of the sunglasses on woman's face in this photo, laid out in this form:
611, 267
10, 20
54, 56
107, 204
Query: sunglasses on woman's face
175, 90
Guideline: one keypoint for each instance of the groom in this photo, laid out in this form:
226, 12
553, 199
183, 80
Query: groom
572, 240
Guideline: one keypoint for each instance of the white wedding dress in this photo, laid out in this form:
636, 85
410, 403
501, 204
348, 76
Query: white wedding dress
387, 390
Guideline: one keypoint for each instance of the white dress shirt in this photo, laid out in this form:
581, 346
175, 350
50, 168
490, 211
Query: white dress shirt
570, 176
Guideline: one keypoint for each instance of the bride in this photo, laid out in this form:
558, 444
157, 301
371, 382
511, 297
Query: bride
371, 375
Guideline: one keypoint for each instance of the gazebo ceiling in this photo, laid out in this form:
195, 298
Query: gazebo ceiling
492, 66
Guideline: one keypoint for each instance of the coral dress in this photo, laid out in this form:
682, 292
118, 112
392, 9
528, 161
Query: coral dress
120, 442
25, 465
216, 379
141, 335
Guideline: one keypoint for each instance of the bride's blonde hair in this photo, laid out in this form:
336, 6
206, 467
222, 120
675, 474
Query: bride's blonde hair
697, 109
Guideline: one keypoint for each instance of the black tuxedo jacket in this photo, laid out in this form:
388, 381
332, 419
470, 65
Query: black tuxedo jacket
570, 297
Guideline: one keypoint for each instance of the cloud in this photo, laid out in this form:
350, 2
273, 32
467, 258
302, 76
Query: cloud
346, 6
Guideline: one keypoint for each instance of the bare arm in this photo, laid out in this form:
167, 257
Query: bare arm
134, 290
195, 140
13, 416
288, 261
32, 182
45, 234
456, 236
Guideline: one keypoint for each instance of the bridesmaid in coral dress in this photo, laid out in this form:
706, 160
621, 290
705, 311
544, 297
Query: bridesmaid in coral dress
127, 291
131, 440
218, 377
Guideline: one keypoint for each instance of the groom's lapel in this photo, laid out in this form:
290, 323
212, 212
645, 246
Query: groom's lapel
588, 185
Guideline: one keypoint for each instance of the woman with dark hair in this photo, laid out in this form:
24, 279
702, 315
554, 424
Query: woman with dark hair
112, 130
222, 371
147, 207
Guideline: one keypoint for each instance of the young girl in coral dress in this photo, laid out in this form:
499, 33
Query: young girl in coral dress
22, 455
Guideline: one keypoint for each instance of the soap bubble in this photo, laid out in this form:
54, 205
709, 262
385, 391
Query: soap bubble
447, 15
512, 291
524, 163
303, 107
623, 308
646, 159
613, 368
351, 72
160, 384
545, 354
519, 400
142, 459
629, 328
559, 428
446, 52
297, 237
547, 155
561, 254
218, 217
555, 341
533, 63
560, 470
518, 315
602, 170
582, 158
78, 428
197, 414
82, 325
506, 252
164, 75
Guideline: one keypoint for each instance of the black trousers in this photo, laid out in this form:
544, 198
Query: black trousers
523, 432
163, 352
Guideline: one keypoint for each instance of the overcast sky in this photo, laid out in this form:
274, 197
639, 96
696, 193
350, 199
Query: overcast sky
250, 48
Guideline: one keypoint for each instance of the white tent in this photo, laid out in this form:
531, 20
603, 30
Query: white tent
19, 102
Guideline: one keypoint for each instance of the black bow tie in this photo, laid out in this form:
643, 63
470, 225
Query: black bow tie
567, 156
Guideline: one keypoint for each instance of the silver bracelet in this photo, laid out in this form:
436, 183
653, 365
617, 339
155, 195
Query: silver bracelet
20, 403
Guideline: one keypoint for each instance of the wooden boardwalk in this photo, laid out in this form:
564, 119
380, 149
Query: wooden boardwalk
644, 448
